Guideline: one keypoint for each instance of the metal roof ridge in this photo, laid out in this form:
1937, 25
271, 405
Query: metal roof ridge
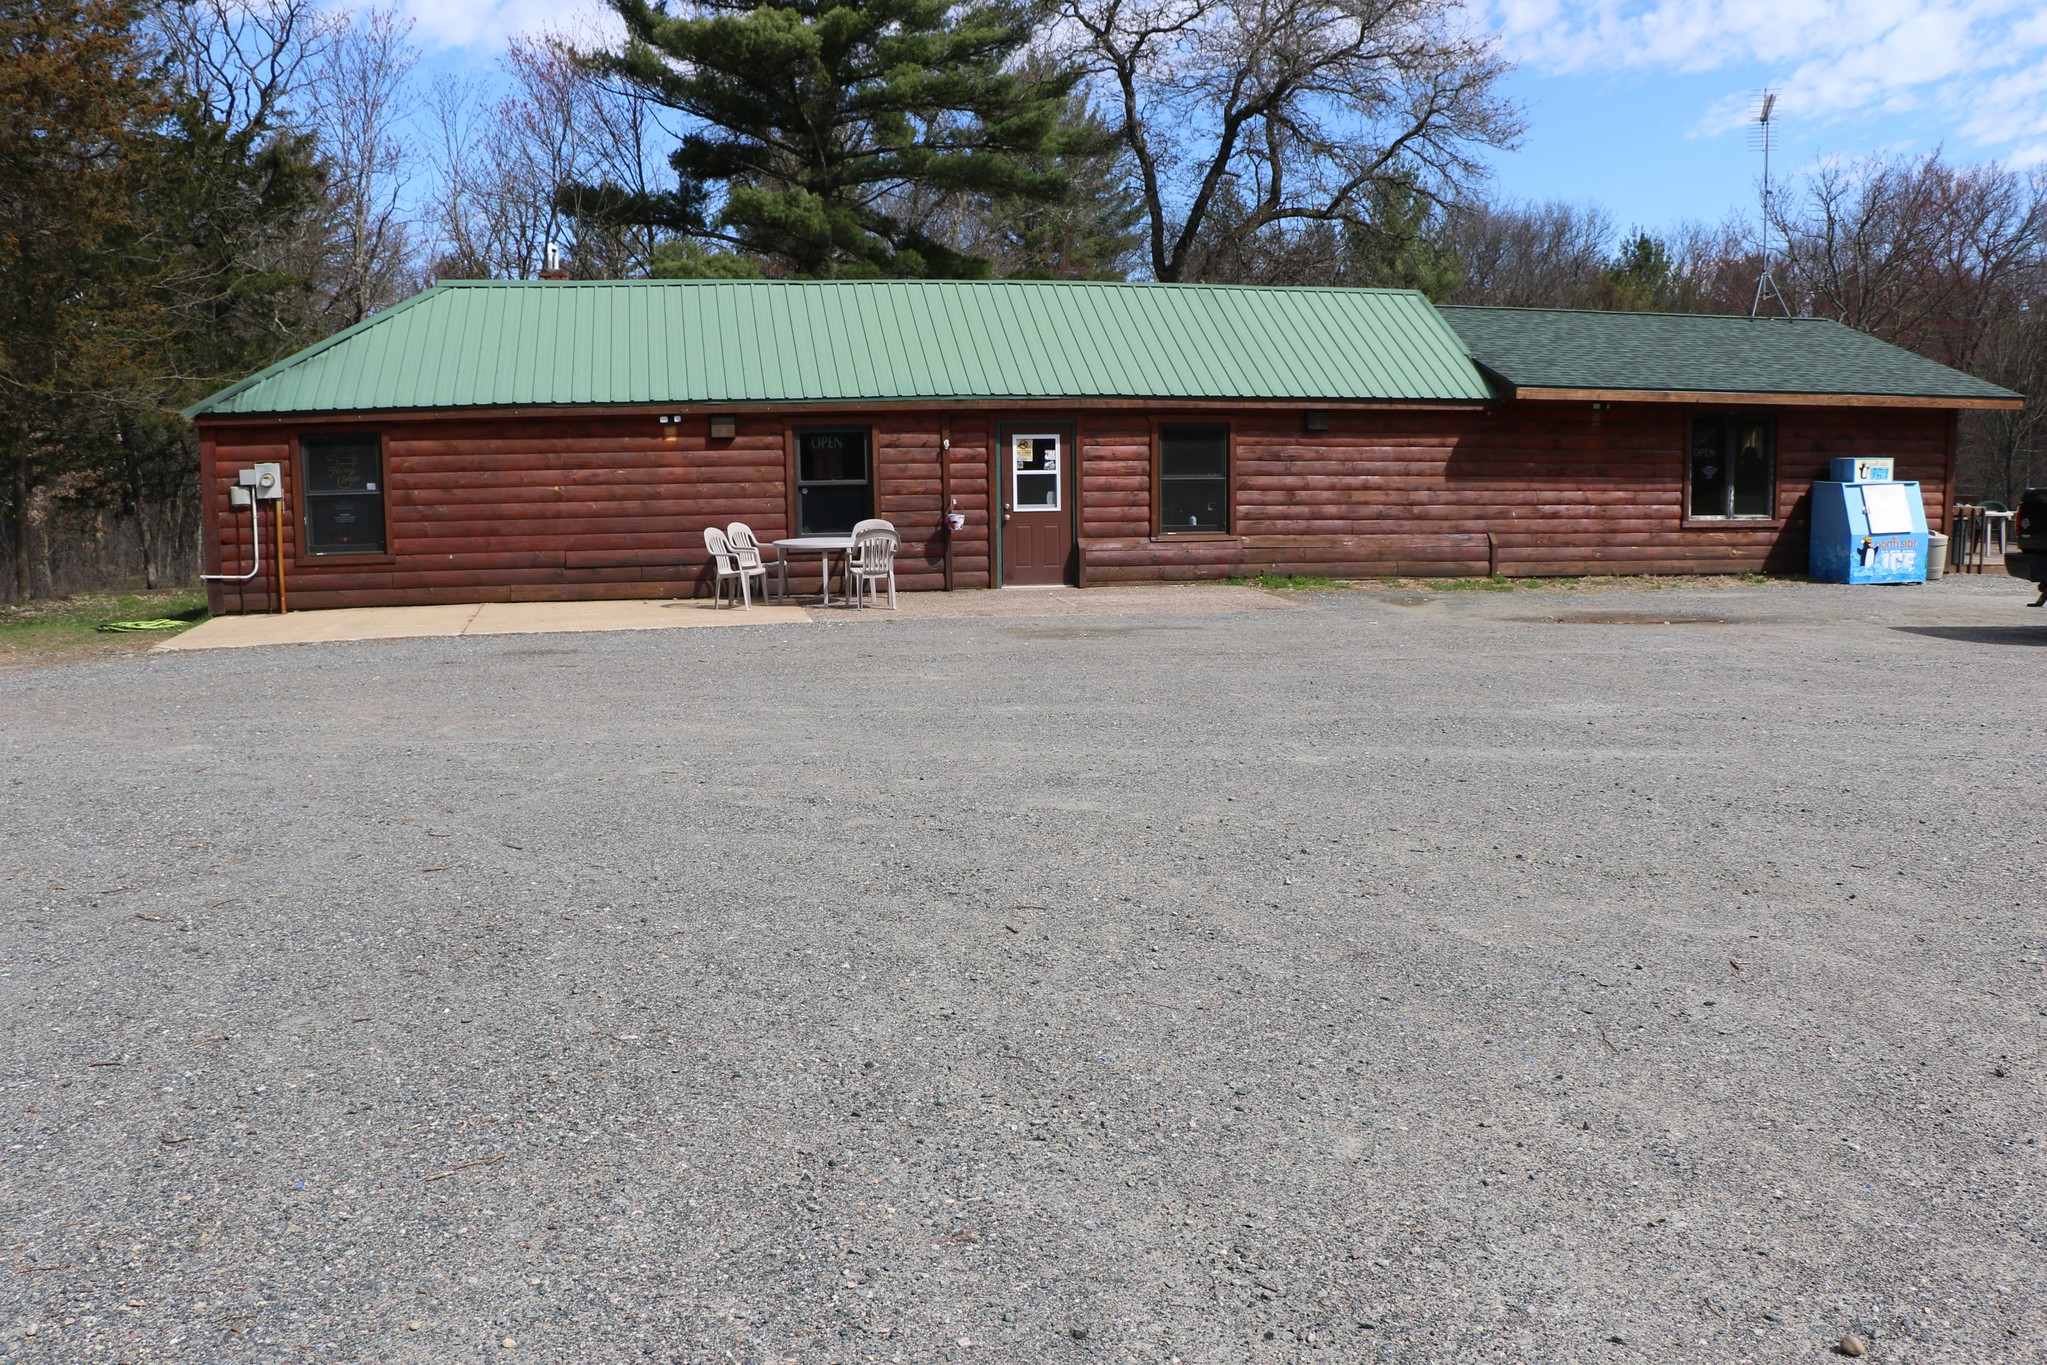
1624, 313
1162, 285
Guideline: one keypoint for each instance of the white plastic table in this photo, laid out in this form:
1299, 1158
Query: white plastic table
824, 547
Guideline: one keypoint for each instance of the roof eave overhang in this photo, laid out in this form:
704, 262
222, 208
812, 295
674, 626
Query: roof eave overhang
1540, 394
769, 407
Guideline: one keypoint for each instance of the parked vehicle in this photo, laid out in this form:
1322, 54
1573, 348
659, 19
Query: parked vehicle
2029, 561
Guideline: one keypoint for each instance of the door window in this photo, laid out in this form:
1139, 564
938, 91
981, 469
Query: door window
1034, 465
834, 481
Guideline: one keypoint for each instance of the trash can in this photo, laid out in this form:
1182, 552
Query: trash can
1936, 556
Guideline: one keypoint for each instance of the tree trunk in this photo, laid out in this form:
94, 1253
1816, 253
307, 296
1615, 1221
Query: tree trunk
23, 588
138, 508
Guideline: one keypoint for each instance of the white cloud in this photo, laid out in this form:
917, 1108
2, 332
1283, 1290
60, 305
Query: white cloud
1976, 68
1973, 65
484, 25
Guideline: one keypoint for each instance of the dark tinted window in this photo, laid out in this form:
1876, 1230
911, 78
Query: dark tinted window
1709, 467
834, 483
1734, 465
1752, 467
344, 494
1194, 478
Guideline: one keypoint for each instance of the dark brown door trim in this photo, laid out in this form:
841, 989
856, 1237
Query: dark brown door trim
1037, 547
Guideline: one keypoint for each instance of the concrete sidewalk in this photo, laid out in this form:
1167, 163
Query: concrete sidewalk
488, 618
540, 618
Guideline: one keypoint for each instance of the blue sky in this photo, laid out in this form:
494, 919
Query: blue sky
1637, 105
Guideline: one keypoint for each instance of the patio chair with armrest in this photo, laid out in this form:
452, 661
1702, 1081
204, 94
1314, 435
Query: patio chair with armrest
873, 560
729, 569
746, 547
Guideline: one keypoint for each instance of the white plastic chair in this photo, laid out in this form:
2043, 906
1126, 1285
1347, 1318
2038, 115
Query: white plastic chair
751, 554
729, 568
873, 560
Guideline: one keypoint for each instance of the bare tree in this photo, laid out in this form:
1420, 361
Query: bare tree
510, 170
2006, 452
1529, 256
1947, 261
1920, 253
1293, 110
253, 69
628, 147
360, 85
248, 61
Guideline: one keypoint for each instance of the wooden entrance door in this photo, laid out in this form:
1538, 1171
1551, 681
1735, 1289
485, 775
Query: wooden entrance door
1035, 481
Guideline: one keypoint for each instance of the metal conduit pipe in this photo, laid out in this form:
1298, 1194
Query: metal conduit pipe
255, 543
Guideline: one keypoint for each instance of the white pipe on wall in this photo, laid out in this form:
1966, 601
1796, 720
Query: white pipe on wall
255, 543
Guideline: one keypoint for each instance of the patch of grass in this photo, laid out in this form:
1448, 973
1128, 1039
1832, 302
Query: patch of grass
1753, 577
56, 627
1298, 582
1493, 584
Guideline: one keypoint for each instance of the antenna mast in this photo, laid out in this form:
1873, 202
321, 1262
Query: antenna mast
1760, 135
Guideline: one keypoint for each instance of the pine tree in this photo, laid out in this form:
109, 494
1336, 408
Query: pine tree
811, 115
683, 259
74, 97
217, 285
1641, 278
1089, 234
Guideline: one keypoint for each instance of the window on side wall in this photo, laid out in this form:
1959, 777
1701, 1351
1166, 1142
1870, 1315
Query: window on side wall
343, 483
834, 481
1734, 467
1194, 478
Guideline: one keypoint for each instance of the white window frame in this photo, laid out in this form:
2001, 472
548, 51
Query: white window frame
1057, 471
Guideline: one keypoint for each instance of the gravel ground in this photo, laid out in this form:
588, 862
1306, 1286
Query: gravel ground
1391, 976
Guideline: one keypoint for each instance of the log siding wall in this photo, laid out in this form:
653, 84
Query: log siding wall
482, 508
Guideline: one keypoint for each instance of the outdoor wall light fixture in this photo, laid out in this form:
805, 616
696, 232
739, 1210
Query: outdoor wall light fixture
724, 428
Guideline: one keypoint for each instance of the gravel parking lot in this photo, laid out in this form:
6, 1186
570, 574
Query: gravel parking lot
1391, 975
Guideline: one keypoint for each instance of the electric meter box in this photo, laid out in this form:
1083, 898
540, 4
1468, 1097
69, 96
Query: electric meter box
1867, 530
265, 481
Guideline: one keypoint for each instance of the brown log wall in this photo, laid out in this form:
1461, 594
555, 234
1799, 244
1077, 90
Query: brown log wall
484, 508
1525, 489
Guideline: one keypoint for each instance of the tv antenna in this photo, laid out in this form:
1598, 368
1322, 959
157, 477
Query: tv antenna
1761, 131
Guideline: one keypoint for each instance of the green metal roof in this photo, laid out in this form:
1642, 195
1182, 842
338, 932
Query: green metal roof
485, 343
1550, 348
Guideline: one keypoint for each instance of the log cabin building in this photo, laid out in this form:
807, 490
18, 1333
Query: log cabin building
545, 440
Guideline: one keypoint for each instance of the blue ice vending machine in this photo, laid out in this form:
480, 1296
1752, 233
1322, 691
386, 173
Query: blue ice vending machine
1867, 527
